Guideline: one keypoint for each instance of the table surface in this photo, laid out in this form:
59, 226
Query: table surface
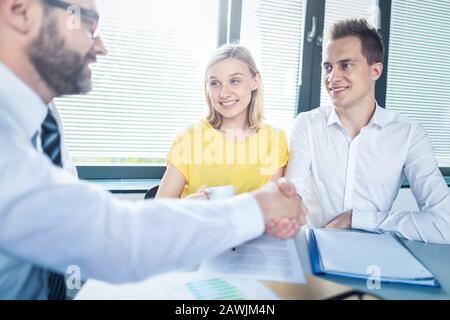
436, 257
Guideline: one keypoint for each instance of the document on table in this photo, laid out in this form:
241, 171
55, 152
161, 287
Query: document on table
264, 258
357, 254
179, 286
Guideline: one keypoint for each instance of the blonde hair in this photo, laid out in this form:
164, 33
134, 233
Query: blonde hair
255, 109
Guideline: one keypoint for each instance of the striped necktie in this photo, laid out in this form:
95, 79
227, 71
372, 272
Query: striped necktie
51, 145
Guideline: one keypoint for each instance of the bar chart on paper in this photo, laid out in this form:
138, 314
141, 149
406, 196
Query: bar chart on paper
180, 286
214, 289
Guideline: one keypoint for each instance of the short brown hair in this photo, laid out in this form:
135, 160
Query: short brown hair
371, 44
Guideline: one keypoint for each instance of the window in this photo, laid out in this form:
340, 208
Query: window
419, 68
273, 32
150, 85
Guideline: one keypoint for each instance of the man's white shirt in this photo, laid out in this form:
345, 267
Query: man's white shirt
335, 173
50, 220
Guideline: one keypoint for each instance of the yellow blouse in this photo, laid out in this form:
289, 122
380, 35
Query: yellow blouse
206, 156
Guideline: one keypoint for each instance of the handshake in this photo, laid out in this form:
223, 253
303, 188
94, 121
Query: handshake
283, 210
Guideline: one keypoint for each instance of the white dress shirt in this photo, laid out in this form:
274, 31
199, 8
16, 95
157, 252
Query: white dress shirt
49, 219
365, 173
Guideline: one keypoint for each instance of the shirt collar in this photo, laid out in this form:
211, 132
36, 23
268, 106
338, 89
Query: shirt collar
333, 117
21, 102
380, 117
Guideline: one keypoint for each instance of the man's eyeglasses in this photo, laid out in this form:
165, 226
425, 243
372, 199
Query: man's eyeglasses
86, 14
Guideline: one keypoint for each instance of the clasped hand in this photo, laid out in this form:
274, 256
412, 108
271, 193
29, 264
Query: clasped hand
283, 209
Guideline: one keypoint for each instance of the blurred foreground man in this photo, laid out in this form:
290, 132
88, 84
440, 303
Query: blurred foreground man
50, 221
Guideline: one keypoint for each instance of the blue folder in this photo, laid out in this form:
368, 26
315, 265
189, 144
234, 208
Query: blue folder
336, 259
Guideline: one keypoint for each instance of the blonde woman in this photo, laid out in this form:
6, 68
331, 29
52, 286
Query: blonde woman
232, 145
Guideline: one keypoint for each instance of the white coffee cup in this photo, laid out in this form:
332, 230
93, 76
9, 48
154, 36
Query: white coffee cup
221, 192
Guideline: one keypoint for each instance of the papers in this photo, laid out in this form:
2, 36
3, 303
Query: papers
178, 286
361, 254
264, 258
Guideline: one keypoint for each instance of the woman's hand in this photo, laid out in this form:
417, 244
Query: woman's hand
201, 194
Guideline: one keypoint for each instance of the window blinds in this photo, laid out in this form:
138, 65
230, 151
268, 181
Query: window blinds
273, 32
419, 68
148, 87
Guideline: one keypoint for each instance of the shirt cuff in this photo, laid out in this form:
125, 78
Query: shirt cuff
246, 217
364, 220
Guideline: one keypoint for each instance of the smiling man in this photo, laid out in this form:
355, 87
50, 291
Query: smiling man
50, 222
353, 155
61, 55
